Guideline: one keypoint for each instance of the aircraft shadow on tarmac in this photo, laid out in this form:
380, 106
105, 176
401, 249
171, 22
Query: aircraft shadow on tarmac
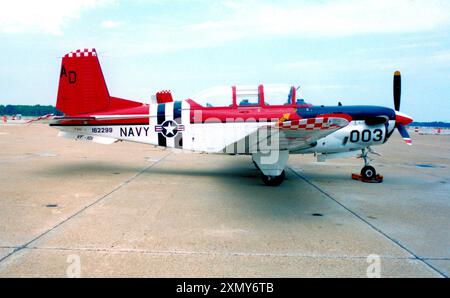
233, 170
251, 195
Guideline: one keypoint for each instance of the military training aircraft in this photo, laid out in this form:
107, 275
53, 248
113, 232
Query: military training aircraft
267, 122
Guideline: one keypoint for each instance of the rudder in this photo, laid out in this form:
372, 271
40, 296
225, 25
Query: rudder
82, 88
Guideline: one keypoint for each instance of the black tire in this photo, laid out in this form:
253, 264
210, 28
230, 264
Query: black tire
274, 180
368, 172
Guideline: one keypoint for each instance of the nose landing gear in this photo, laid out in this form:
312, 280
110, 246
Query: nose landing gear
368, 173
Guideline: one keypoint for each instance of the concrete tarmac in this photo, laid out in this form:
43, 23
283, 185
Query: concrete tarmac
132, 210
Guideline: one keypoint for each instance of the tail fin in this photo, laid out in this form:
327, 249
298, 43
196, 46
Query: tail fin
82, 88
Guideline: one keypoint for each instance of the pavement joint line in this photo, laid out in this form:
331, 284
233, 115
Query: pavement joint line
143, 251
18, 248
212, 253
326, 194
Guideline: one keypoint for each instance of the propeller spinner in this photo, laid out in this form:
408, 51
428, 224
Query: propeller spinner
401, 119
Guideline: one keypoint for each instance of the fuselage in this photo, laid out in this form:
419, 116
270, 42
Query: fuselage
189, 126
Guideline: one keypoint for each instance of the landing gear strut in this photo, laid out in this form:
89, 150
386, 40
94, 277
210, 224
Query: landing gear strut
368, 173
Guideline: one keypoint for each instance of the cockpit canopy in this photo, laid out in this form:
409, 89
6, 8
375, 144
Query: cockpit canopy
268, 95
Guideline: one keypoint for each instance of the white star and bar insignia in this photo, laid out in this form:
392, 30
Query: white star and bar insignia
169, 128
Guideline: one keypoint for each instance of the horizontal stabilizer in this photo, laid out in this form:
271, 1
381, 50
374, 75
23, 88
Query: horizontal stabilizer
41, 118
100, 118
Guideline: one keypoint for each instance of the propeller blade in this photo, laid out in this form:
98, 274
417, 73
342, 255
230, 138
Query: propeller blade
397, 90
404, 133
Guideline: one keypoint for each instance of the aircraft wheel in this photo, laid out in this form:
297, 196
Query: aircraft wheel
368, 172
274, 180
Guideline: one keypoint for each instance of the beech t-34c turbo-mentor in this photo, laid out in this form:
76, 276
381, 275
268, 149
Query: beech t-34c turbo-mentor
266, 122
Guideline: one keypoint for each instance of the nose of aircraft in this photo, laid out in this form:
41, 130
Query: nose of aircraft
402, 118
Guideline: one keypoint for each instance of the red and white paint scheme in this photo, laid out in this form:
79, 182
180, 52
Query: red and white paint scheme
265, 122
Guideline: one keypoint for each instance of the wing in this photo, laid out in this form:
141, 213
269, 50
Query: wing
299, 134
289, 135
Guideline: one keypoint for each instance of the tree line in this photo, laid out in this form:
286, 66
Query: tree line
28, 110
431, 124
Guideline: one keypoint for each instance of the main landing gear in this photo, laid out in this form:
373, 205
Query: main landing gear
273, 180
271, 166
368, 173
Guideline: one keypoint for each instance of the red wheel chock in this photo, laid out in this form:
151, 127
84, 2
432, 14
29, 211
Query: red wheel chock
376, 179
